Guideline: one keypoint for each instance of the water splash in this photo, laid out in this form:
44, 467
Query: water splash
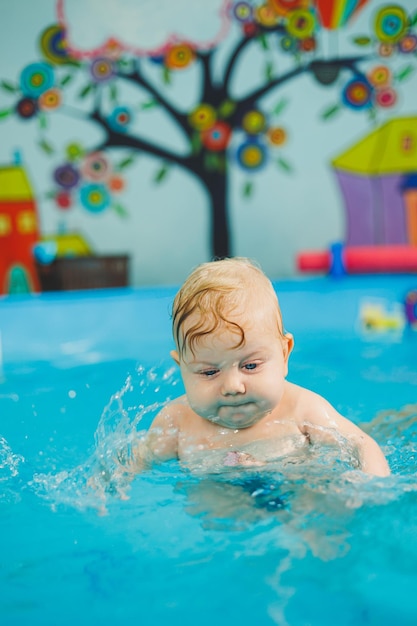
9, 461
9, 472
396, 432
111, 466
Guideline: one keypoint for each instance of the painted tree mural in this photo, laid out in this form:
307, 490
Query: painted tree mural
221, 130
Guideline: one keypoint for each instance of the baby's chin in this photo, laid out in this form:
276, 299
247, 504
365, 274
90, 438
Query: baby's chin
237, 416
238, 421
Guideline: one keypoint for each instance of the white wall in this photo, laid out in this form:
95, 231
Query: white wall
166, 231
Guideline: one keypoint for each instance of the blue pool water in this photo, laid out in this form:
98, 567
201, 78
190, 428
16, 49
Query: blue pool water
81, 373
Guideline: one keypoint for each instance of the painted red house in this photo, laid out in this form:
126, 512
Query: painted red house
19, 231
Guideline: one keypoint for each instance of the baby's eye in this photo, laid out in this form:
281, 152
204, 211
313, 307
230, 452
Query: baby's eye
250, 366
209, 373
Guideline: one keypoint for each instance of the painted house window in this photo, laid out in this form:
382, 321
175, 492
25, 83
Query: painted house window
407, 143
5, 225
26, 222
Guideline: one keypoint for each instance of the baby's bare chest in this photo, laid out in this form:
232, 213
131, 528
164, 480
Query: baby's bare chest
224, 447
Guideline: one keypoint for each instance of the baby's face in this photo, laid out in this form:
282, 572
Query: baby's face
232, 386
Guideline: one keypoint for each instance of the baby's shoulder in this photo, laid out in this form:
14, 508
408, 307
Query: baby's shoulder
305, 403
174, 410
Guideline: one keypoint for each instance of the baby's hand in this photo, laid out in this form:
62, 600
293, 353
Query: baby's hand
234, 457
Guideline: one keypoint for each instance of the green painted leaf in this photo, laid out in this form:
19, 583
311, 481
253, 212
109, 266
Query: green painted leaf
208, 161
330, 112
195, 143
46, 146
214, 161
413, 19
120, 210
269, 71
404, 73
247, 189
43, 121
362, 40
113, 93
5, 113
284, 165
9, 87
87, 89
125, 66
280, 107
124, 62
149, 105
217, 162
263, 41
226, 108
65, 80
166, 75
161, 174
220, 163
373, 115
125, 163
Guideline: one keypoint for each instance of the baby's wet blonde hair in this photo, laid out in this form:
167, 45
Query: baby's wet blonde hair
215, 291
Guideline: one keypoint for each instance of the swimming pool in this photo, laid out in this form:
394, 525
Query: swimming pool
82, 372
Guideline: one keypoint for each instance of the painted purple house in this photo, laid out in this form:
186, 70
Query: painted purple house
371, 175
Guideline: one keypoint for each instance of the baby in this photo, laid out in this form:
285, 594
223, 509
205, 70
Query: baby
239, 408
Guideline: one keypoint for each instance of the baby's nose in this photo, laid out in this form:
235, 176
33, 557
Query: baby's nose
232, 383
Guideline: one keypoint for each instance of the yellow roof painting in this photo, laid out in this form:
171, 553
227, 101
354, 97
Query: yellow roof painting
390, 149
14, 184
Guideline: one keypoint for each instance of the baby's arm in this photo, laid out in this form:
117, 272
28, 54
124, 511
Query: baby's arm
323, 424
160, 442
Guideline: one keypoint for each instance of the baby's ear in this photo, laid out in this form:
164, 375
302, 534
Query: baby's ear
174, 354
288, 344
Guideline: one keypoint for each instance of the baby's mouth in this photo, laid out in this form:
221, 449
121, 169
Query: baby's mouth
235, 408
241, 408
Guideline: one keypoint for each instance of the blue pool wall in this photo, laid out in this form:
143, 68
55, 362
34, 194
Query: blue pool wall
72, 328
